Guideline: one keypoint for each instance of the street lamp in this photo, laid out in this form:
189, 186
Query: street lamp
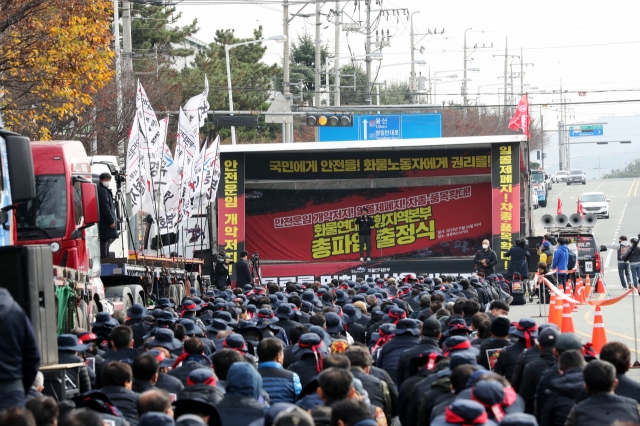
488, 85
227, 47
413, 68
420, 62
435, 73
444, 82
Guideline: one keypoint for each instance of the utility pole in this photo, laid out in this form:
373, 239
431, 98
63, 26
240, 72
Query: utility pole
285, 67
318, 63
116, 38
506, 59
464, 81
126, 39
413, 65
368, 52
542, 139
336, 53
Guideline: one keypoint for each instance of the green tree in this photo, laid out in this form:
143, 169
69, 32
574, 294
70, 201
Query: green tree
631, 170
302, 64
350, 96
395, 93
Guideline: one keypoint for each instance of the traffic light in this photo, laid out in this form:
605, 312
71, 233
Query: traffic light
330, 120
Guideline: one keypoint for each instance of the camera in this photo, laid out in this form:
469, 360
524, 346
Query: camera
255, 257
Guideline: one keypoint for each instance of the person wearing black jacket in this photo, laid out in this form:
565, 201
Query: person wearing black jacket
68, 348
243, 274
618, 354
118, 380
485, 259
107, 226
563, 391
533, 369
429, 339
526, 330
222, 280
20, 355
365, 224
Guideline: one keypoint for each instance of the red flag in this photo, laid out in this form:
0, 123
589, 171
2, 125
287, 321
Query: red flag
580, 208
559, 210
521, 119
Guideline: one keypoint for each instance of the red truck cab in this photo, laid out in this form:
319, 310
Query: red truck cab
65, 204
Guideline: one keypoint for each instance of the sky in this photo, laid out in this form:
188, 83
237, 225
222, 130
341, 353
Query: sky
587, 46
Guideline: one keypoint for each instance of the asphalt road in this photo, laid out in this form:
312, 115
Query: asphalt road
624, 220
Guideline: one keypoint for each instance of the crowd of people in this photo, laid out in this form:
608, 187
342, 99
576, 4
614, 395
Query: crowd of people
374, 352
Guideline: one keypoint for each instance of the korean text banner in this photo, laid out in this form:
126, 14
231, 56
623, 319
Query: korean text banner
505, 190
367, 164
231, 200
416, 222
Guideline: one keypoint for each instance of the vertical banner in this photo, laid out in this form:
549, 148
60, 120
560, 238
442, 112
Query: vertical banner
505, 190
231, 213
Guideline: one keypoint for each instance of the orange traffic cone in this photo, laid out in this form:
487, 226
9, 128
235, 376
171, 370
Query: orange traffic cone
567, 292
600, 286
557, 312
579, 291
567, 320
598, 337
552, 308
587, 287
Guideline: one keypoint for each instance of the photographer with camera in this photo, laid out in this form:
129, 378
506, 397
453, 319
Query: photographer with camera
243, 273
107, 226
365, 223
222, 279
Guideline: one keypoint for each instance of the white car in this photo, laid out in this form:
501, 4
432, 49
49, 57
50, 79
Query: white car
560, 176
534, 199
596, 203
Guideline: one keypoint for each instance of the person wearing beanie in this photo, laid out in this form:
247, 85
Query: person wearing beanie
490, 349
532, 371
429, 340
526, 331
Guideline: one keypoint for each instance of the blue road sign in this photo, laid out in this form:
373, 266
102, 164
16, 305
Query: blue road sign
379, 127
589, 130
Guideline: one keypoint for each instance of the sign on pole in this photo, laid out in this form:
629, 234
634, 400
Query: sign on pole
589, 130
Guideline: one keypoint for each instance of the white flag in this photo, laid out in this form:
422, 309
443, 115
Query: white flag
152, 137
186, 149
197, 107
136, 179
205, 184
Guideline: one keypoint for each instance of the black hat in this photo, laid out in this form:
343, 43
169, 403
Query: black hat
394, 315
334, 323
99, 402
164, 339
246, 326
407, 325
137, 311
161, 357
456, 344
236, 342
103, 319
266, 314
568, 341
201, 376
500, 326
431, 327
462, 358
165, 318
497, 399
457, 326
197, 405
310, 296
164, 302
341, 296
352, 312
217, 325
463, 412
326, 339
226, 317
190, 326
188, 305
526, 328
154, 418
519, 419
274, 301
69, 342
284, 311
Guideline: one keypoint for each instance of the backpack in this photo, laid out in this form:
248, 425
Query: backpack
571, 263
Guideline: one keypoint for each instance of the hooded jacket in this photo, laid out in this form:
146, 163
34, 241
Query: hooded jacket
561, 259
404, 370
20, 355
560, 397
531, 377
240, 406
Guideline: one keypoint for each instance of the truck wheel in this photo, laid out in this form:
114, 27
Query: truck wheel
543, 203
568, 183
584, 183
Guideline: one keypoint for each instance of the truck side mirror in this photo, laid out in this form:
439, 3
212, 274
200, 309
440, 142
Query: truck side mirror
23, 181
90, 204
603, 248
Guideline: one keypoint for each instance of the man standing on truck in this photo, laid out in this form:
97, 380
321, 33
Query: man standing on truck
107, 226
243, 273
365, 223
485, 259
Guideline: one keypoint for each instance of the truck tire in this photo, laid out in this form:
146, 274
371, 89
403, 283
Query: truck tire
584, 183
121, 294
568, 183
543, 203
176, 292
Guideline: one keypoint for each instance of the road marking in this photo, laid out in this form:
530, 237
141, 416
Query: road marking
615, 235
631, 189
636, 191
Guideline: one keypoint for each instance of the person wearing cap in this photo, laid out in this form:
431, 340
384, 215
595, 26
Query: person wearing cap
117, 381
563, 391
281, 385
603, 407
285, 314
495, 394
241, 404
464, 412
406, 337
68, 348
429, 340
309, 352
485, 259
526, 331
237, 343
192, 359
490, 348
350, 318
535, 362
94, 402
196, 412
201, 383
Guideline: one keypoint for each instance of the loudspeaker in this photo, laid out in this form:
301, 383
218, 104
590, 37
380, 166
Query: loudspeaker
561, 220
27, 272
546, 220
575, 219
23, 181
209, 262
590, 219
